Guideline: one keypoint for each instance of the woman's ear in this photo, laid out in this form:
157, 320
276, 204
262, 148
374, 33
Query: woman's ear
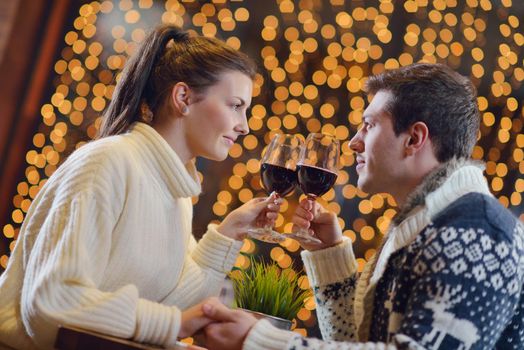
418, 136
180, 97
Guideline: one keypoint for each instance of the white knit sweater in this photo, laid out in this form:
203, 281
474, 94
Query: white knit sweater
107, 246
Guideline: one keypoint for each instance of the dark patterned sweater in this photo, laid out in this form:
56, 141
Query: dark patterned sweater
450, 275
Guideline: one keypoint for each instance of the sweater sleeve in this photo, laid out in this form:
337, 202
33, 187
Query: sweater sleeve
215, 252
62, 273
333, 275
263, 336
205, 268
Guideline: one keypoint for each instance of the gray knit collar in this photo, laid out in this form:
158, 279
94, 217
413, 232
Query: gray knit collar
434, 180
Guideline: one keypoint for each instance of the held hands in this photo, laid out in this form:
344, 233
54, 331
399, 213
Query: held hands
223, 328
193, 319
230, 329
324, 224
255, 213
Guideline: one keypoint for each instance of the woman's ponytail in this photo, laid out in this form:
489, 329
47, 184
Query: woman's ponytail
124, 108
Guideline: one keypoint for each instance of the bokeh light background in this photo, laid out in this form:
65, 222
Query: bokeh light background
314, 57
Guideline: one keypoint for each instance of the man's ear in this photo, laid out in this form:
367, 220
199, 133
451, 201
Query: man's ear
181, 97
418, 136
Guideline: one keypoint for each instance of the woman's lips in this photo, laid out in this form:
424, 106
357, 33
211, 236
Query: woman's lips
229, 141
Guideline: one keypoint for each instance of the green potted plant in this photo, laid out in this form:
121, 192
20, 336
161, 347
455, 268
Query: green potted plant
267, 291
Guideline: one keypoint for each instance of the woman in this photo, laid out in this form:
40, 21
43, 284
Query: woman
107, 244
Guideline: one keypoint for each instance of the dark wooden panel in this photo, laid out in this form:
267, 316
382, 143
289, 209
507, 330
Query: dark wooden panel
78, 339
35, 30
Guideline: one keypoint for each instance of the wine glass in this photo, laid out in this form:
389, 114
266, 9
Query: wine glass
278, 174
317, 171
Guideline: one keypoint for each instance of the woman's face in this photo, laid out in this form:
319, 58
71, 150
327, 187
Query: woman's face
218, 117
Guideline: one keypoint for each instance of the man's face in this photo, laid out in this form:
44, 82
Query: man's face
379, 152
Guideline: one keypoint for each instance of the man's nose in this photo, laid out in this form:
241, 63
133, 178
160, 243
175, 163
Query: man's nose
356, 144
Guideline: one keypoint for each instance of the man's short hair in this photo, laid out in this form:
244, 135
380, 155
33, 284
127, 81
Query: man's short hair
438, 96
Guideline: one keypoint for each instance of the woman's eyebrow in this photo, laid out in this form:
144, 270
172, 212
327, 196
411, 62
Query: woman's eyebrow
242, 102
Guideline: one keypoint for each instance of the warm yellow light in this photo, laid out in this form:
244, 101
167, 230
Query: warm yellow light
367, 233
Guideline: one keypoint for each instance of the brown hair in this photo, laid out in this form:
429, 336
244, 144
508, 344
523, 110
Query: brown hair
166, 56
438, 96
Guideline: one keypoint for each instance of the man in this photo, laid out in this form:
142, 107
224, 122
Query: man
450, 272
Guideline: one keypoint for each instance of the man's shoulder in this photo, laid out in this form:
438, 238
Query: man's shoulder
477, 209
475, 238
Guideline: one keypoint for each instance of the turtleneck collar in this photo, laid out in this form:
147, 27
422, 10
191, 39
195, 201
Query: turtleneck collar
181, 179
445, 184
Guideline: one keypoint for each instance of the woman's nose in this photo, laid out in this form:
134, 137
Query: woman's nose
242, 127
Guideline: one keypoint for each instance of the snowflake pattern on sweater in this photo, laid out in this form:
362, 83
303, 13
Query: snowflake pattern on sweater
458, 285
335, 309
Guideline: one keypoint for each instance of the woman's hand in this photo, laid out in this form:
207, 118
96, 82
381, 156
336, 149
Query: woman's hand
324, 224
193, 319
257, 212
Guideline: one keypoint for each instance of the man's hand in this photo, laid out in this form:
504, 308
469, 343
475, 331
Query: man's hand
310, 215
230, 328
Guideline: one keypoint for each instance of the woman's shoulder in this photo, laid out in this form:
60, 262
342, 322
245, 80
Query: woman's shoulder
96, 161
99, 169
113, 150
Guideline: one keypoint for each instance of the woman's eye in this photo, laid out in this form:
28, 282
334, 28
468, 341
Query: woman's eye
236, 107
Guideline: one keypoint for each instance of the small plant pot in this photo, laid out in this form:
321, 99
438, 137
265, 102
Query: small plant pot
278, 322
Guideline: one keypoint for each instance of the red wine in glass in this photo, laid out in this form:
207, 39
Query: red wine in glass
278, 174
315, 181
316, 172
278, 179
